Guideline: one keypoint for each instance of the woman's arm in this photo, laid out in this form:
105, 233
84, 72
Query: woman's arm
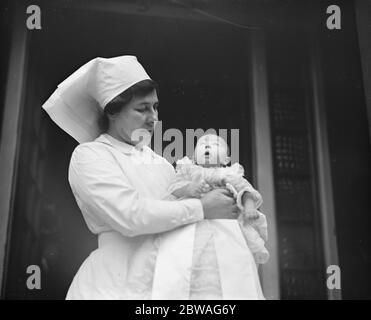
104, 193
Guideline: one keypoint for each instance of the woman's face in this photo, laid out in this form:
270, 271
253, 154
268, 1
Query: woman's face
136, 121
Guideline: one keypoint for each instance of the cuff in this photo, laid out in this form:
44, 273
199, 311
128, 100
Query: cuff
193, 212
198, 212
254, 194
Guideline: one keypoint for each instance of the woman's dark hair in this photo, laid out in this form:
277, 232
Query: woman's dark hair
139, 89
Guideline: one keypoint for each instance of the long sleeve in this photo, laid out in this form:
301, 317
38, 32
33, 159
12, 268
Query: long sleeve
106, 195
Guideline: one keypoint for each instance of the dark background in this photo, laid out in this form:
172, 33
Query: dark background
182, 57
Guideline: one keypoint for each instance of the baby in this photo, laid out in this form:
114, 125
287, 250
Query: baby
209, 170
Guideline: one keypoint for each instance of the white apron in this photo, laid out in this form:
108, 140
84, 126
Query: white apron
237, 269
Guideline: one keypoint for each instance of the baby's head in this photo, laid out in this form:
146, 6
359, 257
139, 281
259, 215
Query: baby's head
211, 151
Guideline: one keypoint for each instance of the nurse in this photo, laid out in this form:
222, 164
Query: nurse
118, 181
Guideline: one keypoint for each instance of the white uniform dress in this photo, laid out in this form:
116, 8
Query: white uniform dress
118, 189
145, 244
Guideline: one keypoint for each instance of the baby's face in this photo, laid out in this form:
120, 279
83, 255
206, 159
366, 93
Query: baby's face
211, 150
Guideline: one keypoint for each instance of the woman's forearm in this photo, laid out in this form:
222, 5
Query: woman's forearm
108, 197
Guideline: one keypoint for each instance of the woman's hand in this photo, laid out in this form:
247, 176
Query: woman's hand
219, 204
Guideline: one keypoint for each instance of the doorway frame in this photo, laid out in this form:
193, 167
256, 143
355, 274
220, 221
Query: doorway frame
11, 129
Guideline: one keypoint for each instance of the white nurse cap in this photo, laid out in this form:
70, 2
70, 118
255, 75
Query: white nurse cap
78, 102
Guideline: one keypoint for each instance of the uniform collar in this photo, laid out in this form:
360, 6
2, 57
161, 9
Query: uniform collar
120, 145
